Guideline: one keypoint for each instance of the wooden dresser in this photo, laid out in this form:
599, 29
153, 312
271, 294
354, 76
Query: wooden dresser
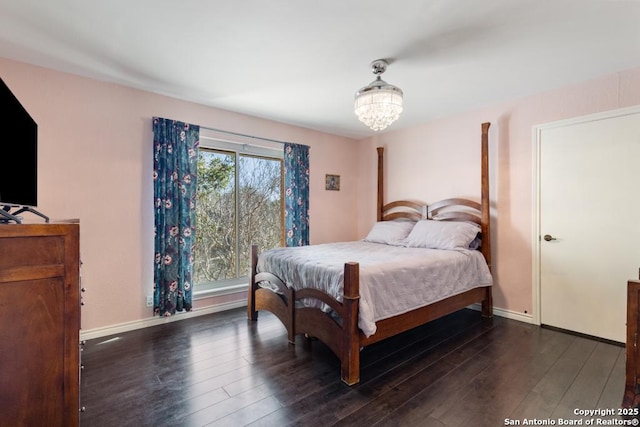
39, 324
632, 383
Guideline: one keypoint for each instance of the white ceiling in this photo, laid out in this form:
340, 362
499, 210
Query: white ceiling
300, 61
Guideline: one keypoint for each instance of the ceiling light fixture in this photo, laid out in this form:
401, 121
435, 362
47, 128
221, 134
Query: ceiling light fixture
378, 104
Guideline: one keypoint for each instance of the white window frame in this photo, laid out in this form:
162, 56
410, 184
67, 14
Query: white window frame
266, 149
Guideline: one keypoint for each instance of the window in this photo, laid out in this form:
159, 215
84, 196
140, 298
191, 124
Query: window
239, 202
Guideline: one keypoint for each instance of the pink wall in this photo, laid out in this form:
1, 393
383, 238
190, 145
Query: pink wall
95, 161
441, 159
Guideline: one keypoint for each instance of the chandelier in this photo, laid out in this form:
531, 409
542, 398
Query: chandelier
378, 104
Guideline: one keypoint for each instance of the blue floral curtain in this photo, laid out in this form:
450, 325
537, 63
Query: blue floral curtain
296, 184
175, 159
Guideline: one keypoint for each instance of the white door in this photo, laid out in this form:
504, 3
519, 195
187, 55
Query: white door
589, 205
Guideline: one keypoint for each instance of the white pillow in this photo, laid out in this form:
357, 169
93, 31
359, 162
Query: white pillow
390, 232
442, 234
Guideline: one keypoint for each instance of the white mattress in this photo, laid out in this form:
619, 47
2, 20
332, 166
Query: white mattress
393, 279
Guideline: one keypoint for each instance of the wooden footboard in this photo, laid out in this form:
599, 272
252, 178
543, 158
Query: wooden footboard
281, 304
341, 336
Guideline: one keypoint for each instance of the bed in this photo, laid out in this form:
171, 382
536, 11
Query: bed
321, 292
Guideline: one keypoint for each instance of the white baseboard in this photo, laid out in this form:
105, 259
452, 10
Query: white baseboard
513, 315
153, 321
156, 320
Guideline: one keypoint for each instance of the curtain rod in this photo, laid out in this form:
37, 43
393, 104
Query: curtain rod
244, 135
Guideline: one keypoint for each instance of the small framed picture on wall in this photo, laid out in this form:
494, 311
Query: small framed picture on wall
332, 182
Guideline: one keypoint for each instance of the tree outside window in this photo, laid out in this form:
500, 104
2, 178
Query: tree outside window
239, 202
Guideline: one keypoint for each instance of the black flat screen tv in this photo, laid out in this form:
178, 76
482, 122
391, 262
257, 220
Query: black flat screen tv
18, 152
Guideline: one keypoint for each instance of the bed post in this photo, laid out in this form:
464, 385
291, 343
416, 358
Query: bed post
350, 358
487, 304
252, 314
380, 182
484, 202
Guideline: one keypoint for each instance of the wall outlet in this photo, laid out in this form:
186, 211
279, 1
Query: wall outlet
149, 300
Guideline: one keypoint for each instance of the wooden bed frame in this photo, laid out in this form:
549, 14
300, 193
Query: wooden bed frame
345, 339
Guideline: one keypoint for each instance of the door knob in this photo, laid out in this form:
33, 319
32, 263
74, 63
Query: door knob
549, 237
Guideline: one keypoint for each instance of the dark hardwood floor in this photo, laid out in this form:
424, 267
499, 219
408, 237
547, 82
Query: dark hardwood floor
461, 370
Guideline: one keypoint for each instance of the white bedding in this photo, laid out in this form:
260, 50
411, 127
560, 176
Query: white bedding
393, 279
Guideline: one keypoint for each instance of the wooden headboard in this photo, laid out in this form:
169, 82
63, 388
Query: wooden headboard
454, 209
403, 209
